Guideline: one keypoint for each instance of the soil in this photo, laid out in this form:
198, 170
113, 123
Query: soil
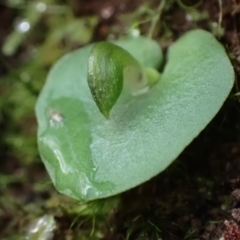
197, 197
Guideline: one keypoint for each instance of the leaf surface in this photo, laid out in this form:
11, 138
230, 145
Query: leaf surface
89, 156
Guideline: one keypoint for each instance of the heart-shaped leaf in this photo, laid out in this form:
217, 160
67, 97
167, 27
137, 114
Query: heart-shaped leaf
89, 157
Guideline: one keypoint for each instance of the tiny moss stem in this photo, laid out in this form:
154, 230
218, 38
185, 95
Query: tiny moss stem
185, 7
220, 15
156, 19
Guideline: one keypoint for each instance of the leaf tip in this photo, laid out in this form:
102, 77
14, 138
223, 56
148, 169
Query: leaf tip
106, 114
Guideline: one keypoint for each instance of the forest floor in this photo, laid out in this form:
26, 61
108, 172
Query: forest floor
197, 197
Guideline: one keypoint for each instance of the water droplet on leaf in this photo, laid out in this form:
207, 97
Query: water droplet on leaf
56, 118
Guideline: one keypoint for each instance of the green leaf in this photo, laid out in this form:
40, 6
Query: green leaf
89, 156
108, 67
